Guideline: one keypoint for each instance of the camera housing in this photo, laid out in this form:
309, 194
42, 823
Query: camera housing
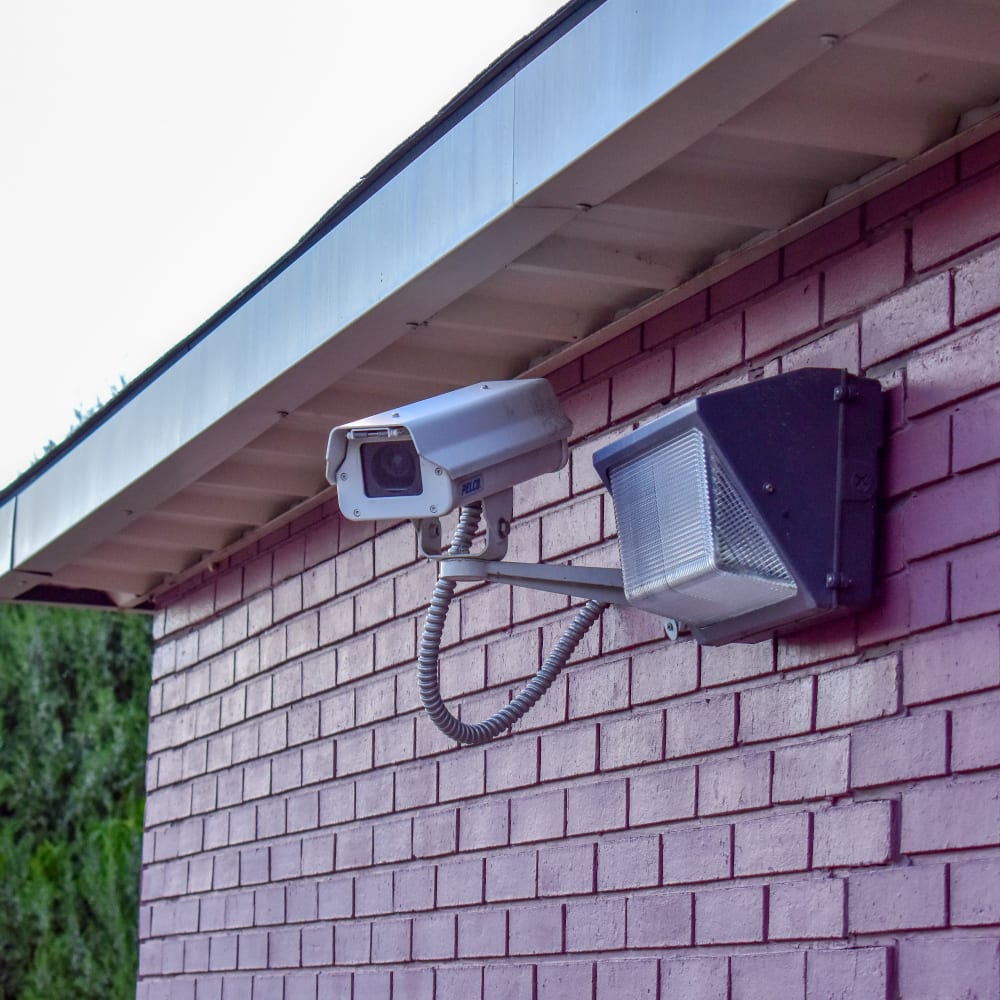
427, 458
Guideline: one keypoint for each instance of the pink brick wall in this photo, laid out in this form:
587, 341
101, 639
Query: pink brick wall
814, 818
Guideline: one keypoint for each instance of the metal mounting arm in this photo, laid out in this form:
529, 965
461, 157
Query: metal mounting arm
576, 581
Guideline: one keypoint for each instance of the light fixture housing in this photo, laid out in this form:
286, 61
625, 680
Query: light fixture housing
751, 512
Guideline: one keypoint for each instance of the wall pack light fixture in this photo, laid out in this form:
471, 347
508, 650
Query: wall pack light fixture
741, 514
751, 511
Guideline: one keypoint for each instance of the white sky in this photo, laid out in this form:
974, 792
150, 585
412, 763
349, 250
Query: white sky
155, 157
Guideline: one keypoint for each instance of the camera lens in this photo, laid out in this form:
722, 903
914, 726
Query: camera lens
391, 468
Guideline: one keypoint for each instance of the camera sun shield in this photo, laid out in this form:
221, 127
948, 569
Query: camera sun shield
429, 457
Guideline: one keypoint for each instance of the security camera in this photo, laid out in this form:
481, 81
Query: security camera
425, 459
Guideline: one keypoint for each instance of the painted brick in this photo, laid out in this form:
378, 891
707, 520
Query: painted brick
732, 784
568, 752
644, 383
868, 690
669, 669
512, 763
749, 281
813, 770
735, 661
596, 924
588, 408
500, 982
945, 815
695, 978
975, 892
596, 808
541, 492
959, 510
836, 349
675, 320
352, 942
414, 984
697, 854
336, 803
395, 741
956, 224
485, 824
571, 527
269, 905
538, 817
906, 321
975, 287
635, 978
951, 663
661, 795
919, 454
899, 750
699, 726
808, 909
848, 974
976, 580
776, 843
775, 974
949, 967
461, 671
975, 438
636, 739
434, 936
482, 933
372, 893
416, 785
336, 898
434, 834
730, 915
511, 875
831, 238
783, 316
775, 710
628, 863
598, 689
390, 941
536, 929
614, 352
354, 848
567, 869
976, 736
302, 902
865, 276
624, 628
565, 979
853, 835
485, 610
395, 643
907, 898
459, 983
959, 367
413, 888
335, 985
710, 351
462, 775
660, 919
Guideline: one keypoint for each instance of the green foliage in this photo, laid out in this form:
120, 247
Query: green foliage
73, 694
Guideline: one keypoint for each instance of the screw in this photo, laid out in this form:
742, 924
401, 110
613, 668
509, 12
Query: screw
768, 487
343, 477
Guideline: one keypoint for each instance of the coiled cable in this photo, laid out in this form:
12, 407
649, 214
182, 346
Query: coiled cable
430, 645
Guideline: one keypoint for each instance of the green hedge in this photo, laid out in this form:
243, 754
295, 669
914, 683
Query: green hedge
73, 707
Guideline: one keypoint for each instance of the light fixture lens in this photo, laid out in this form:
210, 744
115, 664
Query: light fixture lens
691, 548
